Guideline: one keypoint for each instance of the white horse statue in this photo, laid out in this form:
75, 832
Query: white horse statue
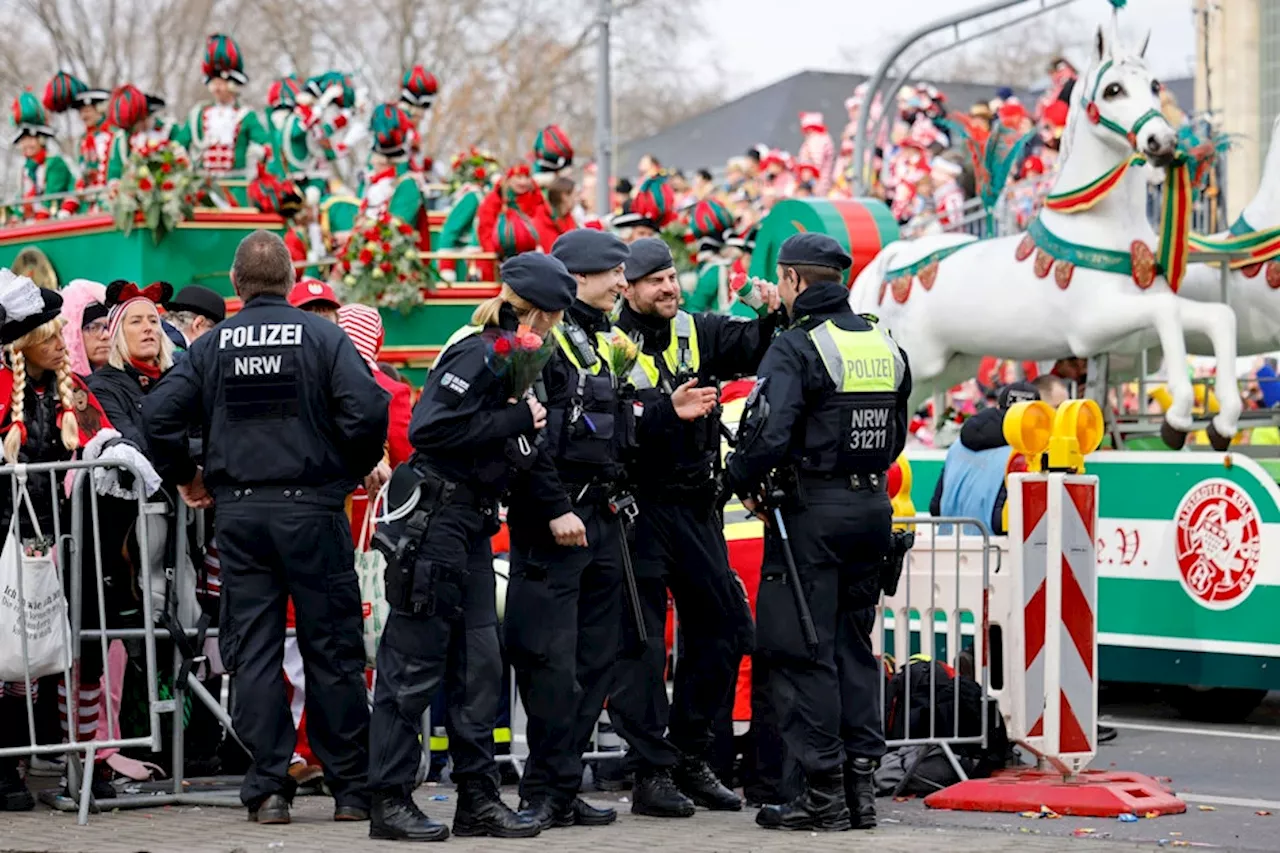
950, 301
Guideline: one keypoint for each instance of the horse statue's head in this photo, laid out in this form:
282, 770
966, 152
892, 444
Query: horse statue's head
1119, 101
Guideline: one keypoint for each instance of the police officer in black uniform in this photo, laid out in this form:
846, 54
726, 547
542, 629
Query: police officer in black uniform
471, 431
564, 601
827, 417
292, 420
679, 540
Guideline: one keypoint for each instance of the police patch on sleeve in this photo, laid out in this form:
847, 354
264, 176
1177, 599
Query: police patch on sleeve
455, 383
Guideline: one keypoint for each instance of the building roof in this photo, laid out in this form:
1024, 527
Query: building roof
772, 116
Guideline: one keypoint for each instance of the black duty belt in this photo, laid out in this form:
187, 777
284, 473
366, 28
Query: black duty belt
876, 482
587, 494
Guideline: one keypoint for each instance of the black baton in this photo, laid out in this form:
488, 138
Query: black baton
624, 506
793, 578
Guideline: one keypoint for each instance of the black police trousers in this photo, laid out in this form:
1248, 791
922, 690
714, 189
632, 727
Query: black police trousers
271, 551
681, 548
454, 646
826, 704
563, 622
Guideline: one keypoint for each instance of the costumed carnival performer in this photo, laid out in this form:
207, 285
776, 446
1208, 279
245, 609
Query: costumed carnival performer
65, 92
44, 172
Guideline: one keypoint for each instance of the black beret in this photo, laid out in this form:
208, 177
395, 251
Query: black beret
648, 256
585, 250
199, 300
815, 250
1017, 392
93, 311
540, 280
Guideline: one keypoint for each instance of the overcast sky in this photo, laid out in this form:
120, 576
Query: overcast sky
758, 42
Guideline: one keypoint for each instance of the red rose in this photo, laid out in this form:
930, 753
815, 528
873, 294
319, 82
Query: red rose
502, 346
166, 186
144, 184
386, 266
346, 265
371, 234
386, 247
480, 173
366, 257
406, 229
166, 168
528, 341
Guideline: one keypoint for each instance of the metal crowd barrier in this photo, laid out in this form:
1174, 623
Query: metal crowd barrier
69, 547
939, 612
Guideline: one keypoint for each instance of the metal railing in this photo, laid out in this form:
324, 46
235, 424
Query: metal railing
940, 608
71, 549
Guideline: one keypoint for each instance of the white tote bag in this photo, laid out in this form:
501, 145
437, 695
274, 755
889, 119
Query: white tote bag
371, 568
43, 619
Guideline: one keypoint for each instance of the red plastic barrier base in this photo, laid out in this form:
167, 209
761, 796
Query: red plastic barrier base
1093, 793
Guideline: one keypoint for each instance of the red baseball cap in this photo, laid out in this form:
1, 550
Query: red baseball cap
311, 290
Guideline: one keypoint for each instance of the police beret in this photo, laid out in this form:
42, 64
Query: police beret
199, 300
648, 256
1017, 392
540, 280
815, 250
584, 250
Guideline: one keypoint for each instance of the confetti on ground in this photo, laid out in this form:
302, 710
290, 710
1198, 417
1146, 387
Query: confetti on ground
1083, 831
1049, 813
1127, 818
1263, 814
904, 799
1151, 815
1029, 814
1207, 809
1175, 834
439, 798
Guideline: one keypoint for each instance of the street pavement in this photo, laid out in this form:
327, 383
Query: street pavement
1227, 773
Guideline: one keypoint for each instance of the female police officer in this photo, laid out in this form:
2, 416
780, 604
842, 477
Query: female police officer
470, 433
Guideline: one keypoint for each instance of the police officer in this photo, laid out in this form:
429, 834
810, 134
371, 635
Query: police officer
291, 419
679, 540
471, 431
830, 409
564, 601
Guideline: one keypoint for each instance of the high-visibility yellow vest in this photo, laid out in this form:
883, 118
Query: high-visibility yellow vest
681, 355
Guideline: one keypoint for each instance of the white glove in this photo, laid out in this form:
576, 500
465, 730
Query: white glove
330, 95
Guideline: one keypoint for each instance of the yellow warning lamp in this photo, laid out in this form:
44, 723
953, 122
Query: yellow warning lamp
1077, 432
1028, 427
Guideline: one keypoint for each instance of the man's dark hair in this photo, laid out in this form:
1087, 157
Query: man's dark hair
262, 265
754, 154
705, 174
814, 274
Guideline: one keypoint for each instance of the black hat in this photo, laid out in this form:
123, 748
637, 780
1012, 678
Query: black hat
648, 256
1016, 392
627, 219
815, 250
540, 280
50, 308
93, 311
155, 104
585, 250
199, 300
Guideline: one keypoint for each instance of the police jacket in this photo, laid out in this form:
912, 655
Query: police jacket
831, 397
676, 454
463, 428
589, 423
121, 392
283, 400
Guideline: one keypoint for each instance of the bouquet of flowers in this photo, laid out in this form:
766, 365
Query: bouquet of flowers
381, 266
159, 183
519, 357
622, 354
473, 166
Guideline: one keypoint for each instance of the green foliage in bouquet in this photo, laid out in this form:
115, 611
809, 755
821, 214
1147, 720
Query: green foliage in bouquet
160, 184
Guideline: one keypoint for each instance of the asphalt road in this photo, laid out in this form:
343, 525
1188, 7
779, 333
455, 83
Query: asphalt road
1226, 773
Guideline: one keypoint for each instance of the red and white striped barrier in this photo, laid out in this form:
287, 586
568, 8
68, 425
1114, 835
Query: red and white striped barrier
1052, 520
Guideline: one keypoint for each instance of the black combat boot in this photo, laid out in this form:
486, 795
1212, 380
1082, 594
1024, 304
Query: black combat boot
273, 810
655, 794
821, 808
860, 792
396, 817
548, 812
697, 781
14, 794
482, 812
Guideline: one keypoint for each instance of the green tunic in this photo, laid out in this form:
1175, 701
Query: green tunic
249, 130
48, 178
706, 293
